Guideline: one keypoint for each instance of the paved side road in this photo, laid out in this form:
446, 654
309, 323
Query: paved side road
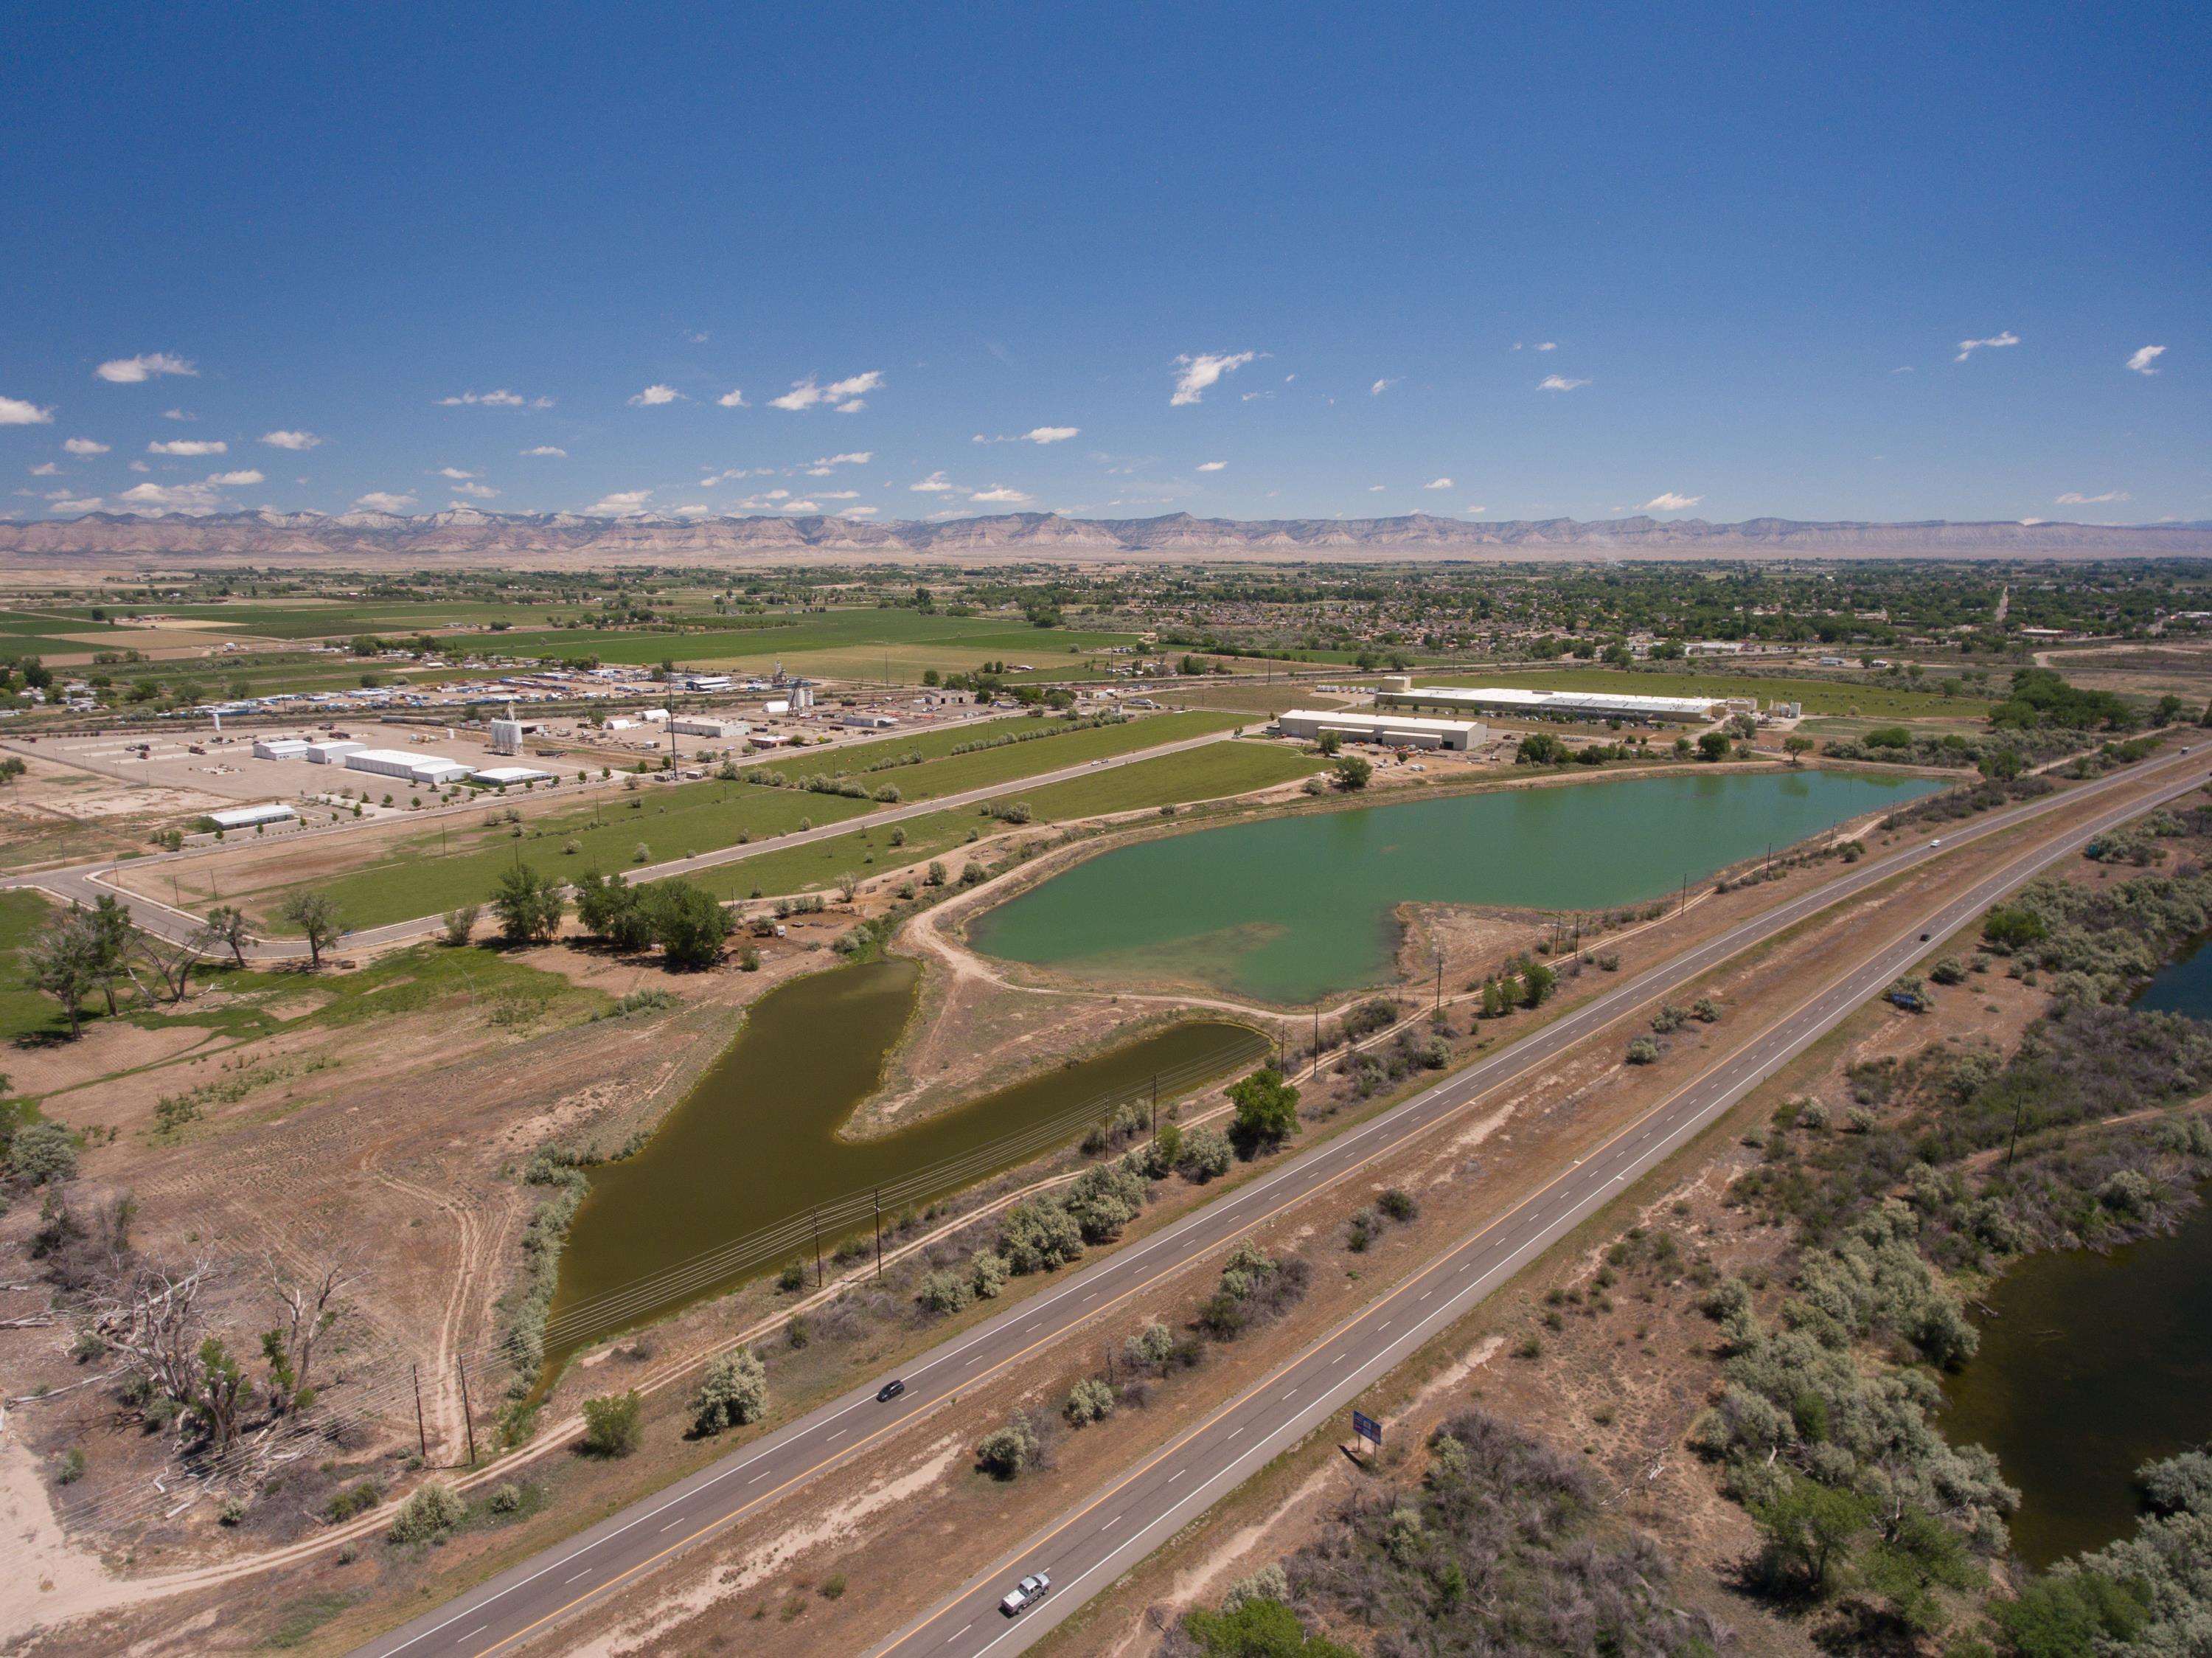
83, 883
1104, 1537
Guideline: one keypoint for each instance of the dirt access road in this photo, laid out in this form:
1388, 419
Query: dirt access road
1134, 1515
84, 885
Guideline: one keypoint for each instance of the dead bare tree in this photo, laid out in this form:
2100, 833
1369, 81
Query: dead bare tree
170, 961
150, 1319
311, 1307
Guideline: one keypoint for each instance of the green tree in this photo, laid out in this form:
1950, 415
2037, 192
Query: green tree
1713, 745
316, 916
1266, 1108
226, 925
689, 921
1351, 771
613, 1424
1259, 1628
1797, 745
63, 961
528, 904
1537, 981
1809, 1529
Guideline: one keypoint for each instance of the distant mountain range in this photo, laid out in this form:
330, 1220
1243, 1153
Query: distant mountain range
465, 535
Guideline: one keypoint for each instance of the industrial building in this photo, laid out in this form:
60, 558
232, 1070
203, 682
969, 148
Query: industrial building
507, 736
333, 751
1559, 704
251, 817
1394, 730
431, 769
278, 748
706, 725
499, 776
865, 722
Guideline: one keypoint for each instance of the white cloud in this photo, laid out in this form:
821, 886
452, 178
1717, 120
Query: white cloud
190, 445
85, 446
839, 495
140, 467
932, 484
800, 506
237, 480
857, 512
732, 398
1380, 387
1968, 347
502, 399
1375, 489
693, 509
178, 414
384, 501
1036, 435
623, 504
1547, 345
129, 370
825, 466
845, 393
452, 471
45, 469
1204, 370
172, 498
477, 491
1212, 466
80, 503
654, 396
2075, 498
14, 411
1000, 495
548, 449
2142, 360
1438, 484
286, 440
1670, 502
1478, 509
1558, 383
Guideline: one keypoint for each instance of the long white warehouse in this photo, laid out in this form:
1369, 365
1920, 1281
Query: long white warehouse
1397, 730
248, 817
431, 769
1559, 704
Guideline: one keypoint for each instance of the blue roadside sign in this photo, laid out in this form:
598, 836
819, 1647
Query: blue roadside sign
1366, 1427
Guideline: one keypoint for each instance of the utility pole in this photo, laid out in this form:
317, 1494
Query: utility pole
879, 1232
1440, 981
422, 1433
1317, 1039
1686, 894
468, 1411
1155, 1102
2018, 1109
817, 1249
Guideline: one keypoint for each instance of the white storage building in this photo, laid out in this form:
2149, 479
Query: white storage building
706, 725
248, 817
333, 750
433, 769
278, 748
1396, 730
499, 775
1557, 704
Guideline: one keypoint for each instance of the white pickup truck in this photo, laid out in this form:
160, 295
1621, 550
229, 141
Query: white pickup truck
1025, 1594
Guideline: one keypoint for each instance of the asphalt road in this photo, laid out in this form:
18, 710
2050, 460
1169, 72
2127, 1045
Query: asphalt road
83, 883
1117, 1527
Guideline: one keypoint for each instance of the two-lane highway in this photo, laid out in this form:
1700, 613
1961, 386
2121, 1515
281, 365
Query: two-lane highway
616, 1552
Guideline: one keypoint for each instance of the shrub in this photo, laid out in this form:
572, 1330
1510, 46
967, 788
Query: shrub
354, 1500
945, 1292
1005, 1453
613, 1424
1643, 1051
733, 1391
428, 1515
43, 1153
1090, 1401
989, 1277
1206, 1156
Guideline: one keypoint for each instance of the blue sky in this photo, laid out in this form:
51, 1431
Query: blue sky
1744, 245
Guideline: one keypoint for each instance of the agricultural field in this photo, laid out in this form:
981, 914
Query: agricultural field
442, 868
1818, 695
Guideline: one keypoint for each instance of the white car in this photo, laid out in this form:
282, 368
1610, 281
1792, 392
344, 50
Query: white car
1025, 1594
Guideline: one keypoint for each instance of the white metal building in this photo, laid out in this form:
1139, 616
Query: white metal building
1557, 704
248, 817
1394, 730
278, 748
499, 775
334, 751
433, 769
706, 725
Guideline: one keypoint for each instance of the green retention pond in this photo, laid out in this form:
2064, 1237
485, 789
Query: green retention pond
2091, 1364
752, 1166
1289, 909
